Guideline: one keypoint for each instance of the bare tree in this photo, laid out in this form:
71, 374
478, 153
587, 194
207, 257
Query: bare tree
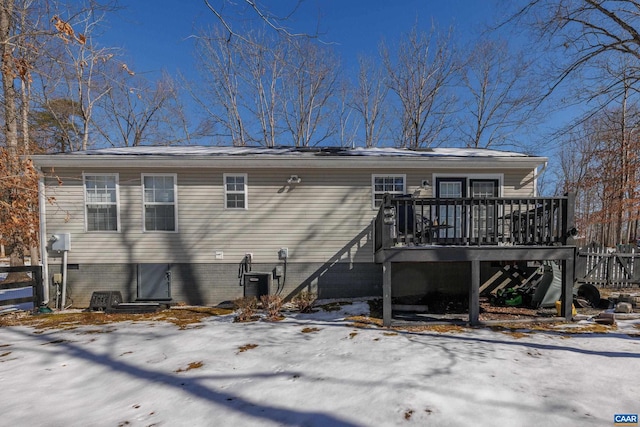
264, 62
135, 111
224, 9
311, 77
601, 165
577, 173
583, 34
220, 90
20, 38
345, 115
70, 68
369, 100
498, 96
419, 75
8, 40
617, 166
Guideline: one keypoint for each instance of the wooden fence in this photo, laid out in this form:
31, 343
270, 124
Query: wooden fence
603, 268
22, 295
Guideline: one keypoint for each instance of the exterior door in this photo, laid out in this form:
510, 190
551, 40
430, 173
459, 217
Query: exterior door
484, 215
154, 282
450, 214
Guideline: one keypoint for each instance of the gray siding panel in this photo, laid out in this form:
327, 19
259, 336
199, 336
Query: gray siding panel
327, 216
211, 284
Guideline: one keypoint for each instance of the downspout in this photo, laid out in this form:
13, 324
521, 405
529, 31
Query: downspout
536, 174
44, 256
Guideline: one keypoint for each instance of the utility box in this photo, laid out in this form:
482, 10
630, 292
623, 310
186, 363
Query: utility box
257, 284
61, 242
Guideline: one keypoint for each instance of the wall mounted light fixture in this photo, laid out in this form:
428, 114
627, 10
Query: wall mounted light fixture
294, 179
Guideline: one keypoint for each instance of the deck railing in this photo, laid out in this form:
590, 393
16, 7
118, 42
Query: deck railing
540, 221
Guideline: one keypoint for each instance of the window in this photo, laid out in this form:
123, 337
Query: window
484, 188
159, 202
101, 202
451, 188
235, 191
381, 184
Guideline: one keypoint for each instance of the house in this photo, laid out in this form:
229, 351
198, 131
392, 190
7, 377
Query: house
203, 225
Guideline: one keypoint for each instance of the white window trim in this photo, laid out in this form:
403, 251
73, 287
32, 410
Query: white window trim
386, 175
245, 191
468, 178
84, 194
175, 202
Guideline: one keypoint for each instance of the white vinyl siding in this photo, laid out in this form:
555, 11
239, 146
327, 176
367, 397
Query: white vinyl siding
160, 202
101, 202
327, 216
382, 184
235, 191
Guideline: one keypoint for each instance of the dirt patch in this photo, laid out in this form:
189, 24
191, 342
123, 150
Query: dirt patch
439, 328
183, 317
192, 365
246, 347
363, 321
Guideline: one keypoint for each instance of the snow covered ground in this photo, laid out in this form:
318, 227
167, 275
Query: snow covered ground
314, 370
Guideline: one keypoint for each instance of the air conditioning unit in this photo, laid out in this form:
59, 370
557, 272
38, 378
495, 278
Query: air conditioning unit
257, 284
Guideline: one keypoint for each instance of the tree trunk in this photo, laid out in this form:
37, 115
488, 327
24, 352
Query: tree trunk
8, 76
10, 98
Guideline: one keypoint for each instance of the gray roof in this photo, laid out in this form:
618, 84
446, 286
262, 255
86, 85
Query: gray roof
319, 157
200, 150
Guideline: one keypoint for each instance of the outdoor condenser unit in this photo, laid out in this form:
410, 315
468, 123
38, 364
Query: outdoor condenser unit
257, 284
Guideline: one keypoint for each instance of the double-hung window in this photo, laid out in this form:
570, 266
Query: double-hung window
101, 202
382, 184
235, 191
160, 202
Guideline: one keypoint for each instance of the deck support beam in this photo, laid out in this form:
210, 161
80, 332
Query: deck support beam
474, 293
476, 255
568, 277
386, 293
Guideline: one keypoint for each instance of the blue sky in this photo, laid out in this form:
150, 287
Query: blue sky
155, 33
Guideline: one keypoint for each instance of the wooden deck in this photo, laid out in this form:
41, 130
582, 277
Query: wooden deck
471, 230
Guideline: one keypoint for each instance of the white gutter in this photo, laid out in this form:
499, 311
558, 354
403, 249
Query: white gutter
44, 256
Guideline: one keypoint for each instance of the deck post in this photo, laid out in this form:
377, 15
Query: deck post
567, 287
386, 293
474, 293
